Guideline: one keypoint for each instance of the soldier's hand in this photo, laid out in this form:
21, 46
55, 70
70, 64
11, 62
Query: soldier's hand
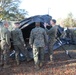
45, 24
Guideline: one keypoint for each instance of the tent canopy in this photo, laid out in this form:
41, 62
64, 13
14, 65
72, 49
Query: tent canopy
39, 18
29, 23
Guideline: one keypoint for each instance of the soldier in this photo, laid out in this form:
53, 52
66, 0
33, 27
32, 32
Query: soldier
1, 23
0, 38
52, 37
38, 39
18, 42
5, 44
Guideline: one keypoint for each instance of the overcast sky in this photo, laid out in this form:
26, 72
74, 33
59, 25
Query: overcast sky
57, 8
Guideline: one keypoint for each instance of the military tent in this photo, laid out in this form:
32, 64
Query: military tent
29, 23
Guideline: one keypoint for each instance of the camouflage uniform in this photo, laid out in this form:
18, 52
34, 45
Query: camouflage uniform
52, 38
0, 45
72, 35
38, 38
5, 45
0, 38
18, 43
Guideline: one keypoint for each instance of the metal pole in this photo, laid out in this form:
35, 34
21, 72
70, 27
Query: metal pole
48, 10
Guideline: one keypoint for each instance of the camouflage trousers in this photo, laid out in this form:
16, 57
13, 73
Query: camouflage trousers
50, 46
0, 45
20, 49
4, 53
38, 54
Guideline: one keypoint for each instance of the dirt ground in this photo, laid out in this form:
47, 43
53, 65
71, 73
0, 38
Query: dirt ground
62, 65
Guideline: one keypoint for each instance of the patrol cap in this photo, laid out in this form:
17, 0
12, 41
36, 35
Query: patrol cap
16, 23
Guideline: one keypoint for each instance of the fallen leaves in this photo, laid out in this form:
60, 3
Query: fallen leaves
61, 65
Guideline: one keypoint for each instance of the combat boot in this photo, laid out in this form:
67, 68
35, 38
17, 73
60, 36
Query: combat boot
41, 64
18, 63
37, 67
28, 59
6, 66
51, 58
1, 64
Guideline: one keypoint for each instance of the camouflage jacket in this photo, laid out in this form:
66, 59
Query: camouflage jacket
17, 37
6, 36
52, 32
38, 37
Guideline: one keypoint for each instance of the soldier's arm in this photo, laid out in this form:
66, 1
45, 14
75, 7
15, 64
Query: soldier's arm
31, 38
21, 37
49, 31
11, 34
45, 37
8, 36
